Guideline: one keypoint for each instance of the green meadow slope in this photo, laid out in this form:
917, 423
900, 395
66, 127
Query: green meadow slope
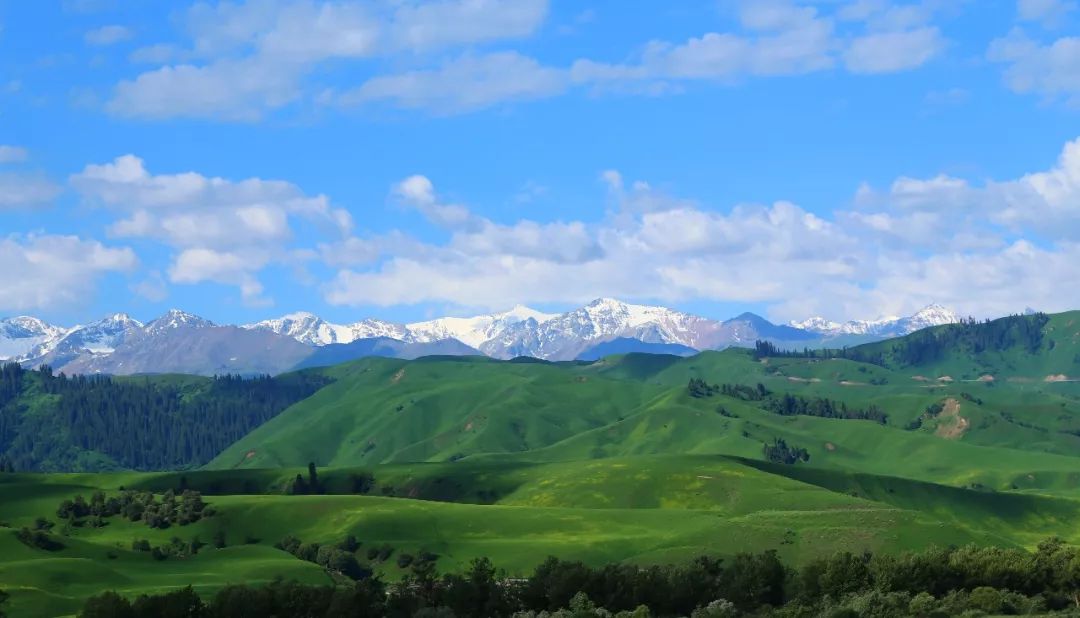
639, 509
1005, 434
971, 435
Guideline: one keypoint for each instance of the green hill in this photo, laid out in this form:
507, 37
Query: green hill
642, 510
634, 458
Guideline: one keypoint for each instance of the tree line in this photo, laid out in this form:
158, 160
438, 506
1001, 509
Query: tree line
935, 582
78, 423
787, 404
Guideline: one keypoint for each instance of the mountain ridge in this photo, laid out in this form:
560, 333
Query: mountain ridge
110, 345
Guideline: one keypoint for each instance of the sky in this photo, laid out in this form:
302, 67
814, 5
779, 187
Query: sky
407, 159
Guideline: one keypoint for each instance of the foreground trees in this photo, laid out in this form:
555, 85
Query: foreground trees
936, 582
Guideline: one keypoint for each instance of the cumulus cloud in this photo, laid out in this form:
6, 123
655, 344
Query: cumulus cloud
224, 231
985, 248
44, 272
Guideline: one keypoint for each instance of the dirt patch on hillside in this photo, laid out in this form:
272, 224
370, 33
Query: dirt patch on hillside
1058, 377
249, 454
945, 379
986, 377
850, 383
951, 425
920, 378
803, 380
397, 376
829, 446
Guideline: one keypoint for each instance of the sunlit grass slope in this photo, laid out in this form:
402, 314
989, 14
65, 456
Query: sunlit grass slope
638, 509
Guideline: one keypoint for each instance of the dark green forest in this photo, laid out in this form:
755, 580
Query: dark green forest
55, 422
968, 581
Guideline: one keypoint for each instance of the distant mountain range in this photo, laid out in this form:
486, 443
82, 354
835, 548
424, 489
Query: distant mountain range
179, 342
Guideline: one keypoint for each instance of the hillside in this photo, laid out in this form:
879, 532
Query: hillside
646, 510
383, 411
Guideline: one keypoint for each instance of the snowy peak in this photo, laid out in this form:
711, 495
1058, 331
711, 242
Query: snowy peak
306, 328
890, 326
520, 313
175, 318
935, 315
21, 334
816, 324
99, 337
372, 328
477, 330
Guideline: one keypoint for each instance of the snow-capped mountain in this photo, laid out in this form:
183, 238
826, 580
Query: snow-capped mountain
99, 337
306, 328
174, 319
21, 334
476, 330
372, 329
565, 336
313, 330
96, 338
181, 342
890, 326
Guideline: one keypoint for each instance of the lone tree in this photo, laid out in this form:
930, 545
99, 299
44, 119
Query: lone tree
313, 477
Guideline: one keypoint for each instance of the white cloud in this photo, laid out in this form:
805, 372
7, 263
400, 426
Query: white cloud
1051, 70
224, 231
227, 267
783, 40
249, 59
46, 272
445, 23
12, 154
108, 35
464, 84
943, 238
260, 53
241, 90
889, 52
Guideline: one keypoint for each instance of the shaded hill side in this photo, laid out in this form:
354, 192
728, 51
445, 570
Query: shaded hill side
625, 345
337, 353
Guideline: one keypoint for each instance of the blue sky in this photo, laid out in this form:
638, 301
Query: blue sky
404, 159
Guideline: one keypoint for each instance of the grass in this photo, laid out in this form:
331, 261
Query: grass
638, 509
611, 461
